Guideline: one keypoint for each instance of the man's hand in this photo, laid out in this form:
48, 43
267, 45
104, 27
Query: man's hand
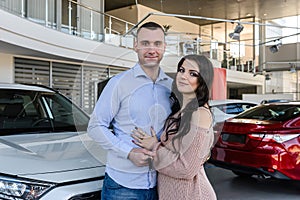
140, 157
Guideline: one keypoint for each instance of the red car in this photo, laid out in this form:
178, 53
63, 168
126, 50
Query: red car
264, 140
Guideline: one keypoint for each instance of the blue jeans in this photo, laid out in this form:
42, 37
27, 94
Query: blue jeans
114, 191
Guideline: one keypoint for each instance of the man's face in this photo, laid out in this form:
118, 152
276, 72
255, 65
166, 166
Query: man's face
150, 47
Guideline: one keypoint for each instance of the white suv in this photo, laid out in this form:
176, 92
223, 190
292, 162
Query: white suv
44, 150
225, 109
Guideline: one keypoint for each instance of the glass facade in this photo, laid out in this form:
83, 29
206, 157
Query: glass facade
245, 51
232, 53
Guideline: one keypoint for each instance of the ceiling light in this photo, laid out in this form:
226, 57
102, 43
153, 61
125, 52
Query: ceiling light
234, 36
275, 48
293, 68
237, 30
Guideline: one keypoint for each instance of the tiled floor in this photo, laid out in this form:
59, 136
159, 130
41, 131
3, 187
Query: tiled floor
231, 187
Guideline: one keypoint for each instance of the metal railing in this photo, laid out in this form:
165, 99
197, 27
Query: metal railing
80, 20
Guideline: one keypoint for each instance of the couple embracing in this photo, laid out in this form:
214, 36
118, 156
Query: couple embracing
162, 128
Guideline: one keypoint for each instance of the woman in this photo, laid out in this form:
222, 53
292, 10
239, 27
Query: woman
188, 136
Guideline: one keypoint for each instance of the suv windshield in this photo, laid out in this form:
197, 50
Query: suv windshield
33, 111
234, 108
272, 112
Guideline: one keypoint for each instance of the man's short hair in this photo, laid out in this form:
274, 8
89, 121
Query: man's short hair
151, 26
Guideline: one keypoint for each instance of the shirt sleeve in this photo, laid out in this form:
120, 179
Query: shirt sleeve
106, 108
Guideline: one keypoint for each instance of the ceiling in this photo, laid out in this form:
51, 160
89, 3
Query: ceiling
218, 9
221, 9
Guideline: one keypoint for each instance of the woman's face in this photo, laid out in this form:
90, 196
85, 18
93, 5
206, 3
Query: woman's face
187, 77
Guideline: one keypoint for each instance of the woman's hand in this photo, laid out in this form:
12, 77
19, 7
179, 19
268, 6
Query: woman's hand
144, 140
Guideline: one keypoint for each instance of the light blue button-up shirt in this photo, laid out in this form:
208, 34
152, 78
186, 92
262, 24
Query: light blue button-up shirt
130, 99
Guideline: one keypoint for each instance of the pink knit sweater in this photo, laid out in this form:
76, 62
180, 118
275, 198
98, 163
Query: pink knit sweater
184, 178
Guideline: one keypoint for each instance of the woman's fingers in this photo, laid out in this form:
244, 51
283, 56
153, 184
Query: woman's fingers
143, 139
153, 133
140, 131
135, 137
141, 134
137, 140
137, 143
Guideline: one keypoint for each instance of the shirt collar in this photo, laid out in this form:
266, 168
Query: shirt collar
138, 71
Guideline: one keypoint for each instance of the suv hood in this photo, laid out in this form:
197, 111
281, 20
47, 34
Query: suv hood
55, 157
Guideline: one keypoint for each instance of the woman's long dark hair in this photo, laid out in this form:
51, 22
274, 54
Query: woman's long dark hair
202, 94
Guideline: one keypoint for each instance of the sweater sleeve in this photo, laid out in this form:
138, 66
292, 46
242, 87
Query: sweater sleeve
187, 164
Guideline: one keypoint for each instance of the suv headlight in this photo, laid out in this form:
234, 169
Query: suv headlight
18, 189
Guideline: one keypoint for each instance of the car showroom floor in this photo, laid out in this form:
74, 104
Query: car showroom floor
231, 187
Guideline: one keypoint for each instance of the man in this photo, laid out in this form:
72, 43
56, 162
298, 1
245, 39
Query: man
138, 97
